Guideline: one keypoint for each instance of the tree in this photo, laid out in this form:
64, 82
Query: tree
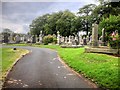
6, 33
85, 12
38, 24
110, 24
104, 10
64, 23
50, 28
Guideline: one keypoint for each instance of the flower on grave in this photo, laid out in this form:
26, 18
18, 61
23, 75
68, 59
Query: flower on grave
114, 40
114, 36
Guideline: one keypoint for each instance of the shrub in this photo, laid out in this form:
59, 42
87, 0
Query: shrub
49, 39
111, 24
114, 41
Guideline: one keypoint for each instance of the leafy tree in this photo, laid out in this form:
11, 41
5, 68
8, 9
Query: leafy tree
110, 24
64, 23
6, 30
50, 28
104, 10
85, 12
38, 24
6, 33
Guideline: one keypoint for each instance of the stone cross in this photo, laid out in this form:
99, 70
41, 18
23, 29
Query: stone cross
94, 35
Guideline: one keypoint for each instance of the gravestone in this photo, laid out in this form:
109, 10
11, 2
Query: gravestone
28, 39
87, 39
76, 40
40, 37
62, 40
33, 39
66, 39
37, 39
94, 35
70, 40
24, 38
100, 41
80, 39
11, 38
103, 37
17, 39
84, 41
58, 37
1, 37
5, 38
90, 41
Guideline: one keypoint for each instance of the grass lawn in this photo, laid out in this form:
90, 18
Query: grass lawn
100, 68
9, 56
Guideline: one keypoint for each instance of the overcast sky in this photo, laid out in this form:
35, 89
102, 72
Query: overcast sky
18, 15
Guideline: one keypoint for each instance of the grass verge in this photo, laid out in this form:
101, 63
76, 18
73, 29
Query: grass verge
9, 56
102, 69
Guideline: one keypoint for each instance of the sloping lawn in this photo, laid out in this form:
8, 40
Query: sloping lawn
9, 56
100, 68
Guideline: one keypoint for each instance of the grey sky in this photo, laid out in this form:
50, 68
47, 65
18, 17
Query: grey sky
18, 15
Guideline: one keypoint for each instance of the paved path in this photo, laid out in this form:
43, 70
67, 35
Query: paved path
42, 69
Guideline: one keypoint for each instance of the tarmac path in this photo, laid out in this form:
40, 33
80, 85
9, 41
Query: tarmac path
42, 68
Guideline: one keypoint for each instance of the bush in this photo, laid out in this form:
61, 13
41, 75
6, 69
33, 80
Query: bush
115, 44
111, 25
49, 39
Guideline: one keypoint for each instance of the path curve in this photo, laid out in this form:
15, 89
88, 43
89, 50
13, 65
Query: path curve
42, 69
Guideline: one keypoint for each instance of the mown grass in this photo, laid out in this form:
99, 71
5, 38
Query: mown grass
100, 68
9, 56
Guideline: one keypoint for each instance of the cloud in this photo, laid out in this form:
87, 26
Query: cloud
17, 28
18, 15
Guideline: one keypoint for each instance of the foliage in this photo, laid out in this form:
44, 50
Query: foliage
110, 24
87, 9
49, 39
114, 40
104, 10
6, 33
115, 44
67, 23
38, 24
64, 23
51, 23
85, 14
